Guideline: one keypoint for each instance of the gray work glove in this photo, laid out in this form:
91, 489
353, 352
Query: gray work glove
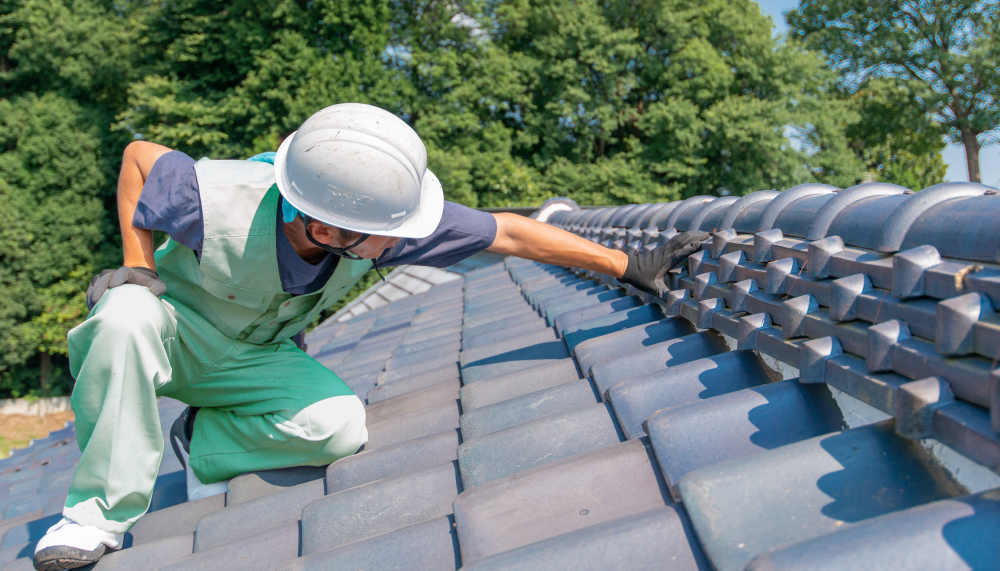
645, 270
107, 279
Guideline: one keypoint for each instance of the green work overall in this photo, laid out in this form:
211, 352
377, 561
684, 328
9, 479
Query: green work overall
220, 338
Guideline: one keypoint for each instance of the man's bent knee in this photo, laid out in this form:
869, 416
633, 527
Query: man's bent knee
126, 313
337, 423
128, 310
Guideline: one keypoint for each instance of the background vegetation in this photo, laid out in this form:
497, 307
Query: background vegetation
607, 102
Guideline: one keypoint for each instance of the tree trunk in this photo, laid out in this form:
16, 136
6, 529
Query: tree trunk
971, 143
44, 371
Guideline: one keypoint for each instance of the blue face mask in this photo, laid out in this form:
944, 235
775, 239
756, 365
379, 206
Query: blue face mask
288, 211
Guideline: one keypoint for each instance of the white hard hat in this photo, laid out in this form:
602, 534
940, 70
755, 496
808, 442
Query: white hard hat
360, 168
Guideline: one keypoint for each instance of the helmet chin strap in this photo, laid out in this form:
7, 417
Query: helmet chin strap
342, 252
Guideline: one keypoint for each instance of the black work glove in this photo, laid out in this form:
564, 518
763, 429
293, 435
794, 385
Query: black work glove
645, 270
107, 279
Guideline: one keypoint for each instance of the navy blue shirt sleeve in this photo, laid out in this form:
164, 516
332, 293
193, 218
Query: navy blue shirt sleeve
170, 201
461, 233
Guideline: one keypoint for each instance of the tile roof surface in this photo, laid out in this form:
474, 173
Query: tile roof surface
814, 391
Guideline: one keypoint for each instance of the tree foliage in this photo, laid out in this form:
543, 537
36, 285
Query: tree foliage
896, 139
51, 229
63, 76
949, 46
610, 102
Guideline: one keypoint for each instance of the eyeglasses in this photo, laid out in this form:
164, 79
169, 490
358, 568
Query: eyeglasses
342, 252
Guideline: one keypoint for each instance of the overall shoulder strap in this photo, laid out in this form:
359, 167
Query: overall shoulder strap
231, 192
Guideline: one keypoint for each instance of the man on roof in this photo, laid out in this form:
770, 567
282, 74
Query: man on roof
255, 252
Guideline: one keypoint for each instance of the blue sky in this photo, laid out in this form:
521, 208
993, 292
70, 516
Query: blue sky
954, 155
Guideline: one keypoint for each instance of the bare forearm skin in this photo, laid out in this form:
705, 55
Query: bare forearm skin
137, 161
532, 240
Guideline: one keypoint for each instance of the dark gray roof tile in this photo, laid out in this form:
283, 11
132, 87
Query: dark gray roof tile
32, 503
438, 393
19, 489
451, 342
497, 292
177, 520
413, 425
959, 533
56, 480
362, 384
494, 317
596, 293
610, 323
257, 516
263, 552
643, 362
435, 363
635, 400
546, 280
556, 498
866, 472
560, 286
10, 554
701, 434
379, 507
147, 557
657, 539
430, 333
429, 354
517, 383
499, 348
23, 564
253, 485
500, 333
513, 360
371, 465
539, 404
25, 528
492, 456
557, 295
413, 382
54, 505
9, 480
488, 290
565, 311
632, 339
501, 320
427, 546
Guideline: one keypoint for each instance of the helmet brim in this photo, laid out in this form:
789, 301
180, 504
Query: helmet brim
419, 224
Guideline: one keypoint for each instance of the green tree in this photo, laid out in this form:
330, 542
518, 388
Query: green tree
623, 101
898, 142
949, 46
51, 230
64, 68
228, 80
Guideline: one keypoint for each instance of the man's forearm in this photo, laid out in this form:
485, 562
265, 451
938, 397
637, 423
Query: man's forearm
526, 238
137, 243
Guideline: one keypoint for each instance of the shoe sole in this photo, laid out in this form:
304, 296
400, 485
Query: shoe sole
60, 557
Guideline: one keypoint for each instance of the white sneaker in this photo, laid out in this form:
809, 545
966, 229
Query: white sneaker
68, 545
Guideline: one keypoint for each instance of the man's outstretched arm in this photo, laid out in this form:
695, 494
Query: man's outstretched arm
532, 240
526, 238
